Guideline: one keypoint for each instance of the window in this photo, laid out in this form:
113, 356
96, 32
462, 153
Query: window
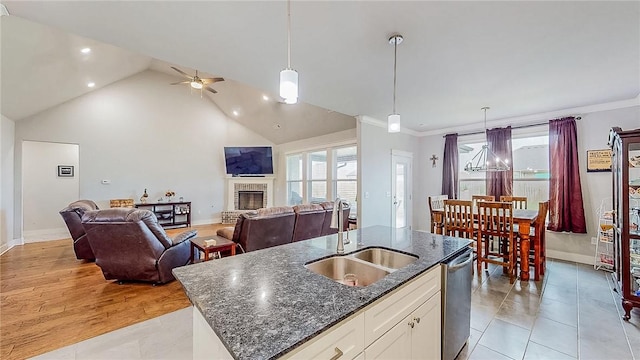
530, 169
317, 176
323, 175
345, 183
294, 179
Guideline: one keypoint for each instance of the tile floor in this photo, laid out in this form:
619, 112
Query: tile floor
571, 314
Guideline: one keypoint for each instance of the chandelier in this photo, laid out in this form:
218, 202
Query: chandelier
485, 159
393, 120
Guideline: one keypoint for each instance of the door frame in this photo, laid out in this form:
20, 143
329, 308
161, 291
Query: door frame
404, 156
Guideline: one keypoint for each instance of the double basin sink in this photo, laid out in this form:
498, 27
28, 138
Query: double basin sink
361, 268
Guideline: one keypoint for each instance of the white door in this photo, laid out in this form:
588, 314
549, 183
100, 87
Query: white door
401, 216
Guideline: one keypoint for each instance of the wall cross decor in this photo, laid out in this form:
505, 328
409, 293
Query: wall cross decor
433, 159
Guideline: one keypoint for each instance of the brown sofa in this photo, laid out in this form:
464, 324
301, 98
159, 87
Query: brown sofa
274, 226
72, 216
129, 244
309, 221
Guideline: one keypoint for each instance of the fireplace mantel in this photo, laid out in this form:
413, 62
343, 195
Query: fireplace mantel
231, 190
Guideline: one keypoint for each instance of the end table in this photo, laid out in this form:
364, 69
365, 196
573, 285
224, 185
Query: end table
222, 244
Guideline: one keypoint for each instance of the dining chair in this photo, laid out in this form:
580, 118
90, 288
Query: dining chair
476, 198
458, 218
519, 202
458, 221
495, 220
436, 202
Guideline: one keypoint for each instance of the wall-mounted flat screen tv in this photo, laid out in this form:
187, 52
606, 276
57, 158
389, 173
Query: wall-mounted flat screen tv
256, 160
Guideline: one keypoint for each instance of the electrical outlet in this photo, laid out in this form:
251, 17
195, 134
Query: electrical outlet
594, 240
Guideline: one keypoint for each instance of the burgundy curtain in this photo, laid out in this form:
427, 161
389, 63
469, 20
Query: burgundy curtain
566, 211
500, 183
450, 168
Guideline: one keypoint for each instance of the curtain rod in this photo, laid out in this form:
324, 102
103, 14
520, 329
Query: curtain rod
512, 127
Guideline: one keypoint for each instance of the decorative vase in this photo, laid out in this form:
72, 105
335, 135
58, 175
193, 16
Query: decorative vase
143, 198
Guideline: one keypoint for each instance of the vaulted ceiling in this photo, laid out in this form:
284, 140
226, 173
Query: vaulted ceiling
519, 58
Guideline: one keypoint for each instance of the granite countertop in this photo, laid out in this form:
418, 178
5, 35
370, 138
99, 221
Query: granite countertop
265, 303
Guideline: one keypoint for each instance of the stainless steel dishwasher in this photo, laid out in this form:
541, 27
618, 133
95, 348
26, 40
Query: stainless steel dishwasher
456, 304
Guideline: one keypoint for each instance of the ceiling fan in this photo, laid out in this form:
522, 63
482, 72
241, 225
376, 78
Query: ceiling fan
197, 82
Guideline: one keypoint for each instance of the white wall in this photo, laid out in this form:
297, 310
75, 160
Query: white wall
593, 132
140, 133
427, 179
7, 134
44, 192
318, 142
374, 171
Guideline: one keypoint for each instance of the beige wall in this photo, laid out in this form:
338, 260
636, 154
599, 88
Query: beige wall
593, 131
7, 133
142, 133
374, 171
44, 192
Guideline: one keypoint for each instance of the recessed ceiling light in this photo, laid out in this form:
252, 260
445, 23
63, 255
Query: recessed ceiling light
265, 98
85, 50
235, 112
91, 84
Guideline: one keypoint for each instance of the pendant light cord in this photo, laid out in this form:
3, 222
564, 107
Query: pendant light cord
395, 60
288, 34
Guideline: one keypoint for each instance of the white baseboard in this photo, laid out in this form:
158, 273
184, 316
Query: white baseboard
579, 258
206, 222
33, 236
8, 246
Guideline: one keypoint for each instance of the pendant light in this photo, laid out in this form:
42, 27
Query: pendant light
288, 76
486, 160
393, 120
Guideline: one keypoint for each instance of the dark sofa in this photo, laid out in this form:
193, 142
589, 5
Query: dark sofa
72, 216
129, 244
267, 227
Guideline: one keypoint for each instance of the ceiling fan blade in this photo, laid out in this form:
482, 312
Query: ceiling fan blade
211, 80
182, 72
181, 82
210, 89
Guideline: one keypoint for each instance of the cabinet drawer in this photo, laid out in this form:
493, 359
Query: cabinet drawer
347, 336
388, 311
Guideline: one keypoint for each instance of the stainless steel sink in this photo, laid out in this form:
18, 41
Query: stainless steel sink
387, 258
347, 271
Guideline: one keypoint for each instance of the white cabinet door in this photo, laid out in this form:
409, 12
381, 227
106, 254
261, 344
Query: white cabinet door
395, 344
426, 334
343, 341
389, 311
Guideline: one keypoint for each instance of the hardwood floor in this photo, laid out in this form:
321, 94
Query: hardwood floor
49, 299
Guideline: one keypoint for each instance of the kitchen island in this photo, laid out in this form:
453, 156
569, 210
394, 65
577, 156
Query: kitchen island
265, 304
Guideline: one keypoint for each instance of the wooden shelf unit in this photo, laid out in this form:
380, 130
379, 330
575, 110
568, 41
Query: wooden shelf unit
170, 214
625, 146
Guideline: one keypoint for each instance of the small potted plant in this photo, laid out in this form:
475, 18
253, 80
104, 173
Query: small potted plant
169, 194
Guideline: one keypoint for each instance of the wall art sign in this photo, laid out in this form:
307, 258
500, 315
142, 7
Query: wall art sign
65, 171
598, 160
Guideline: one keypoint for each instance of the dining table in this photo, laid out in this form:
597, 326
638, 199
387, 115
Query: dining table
523, 217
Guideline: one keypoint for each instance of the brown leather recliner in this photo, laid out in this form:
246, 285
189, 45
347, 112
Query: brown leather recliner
309, 221
72, 216
129, 244
262, 228
326, 225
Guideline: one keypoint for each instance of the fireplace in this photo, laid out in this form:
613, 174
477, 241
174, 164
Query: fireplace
250, 200
246, 194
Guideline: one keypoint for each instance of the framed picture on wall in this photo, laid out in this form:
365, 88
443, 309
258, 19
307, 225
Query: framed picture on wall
598, 160
65, 171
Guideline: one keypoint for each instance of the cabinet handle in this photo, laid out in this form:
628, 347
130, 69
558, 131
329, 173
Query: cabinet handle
412, 324
337, 355
417, 320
